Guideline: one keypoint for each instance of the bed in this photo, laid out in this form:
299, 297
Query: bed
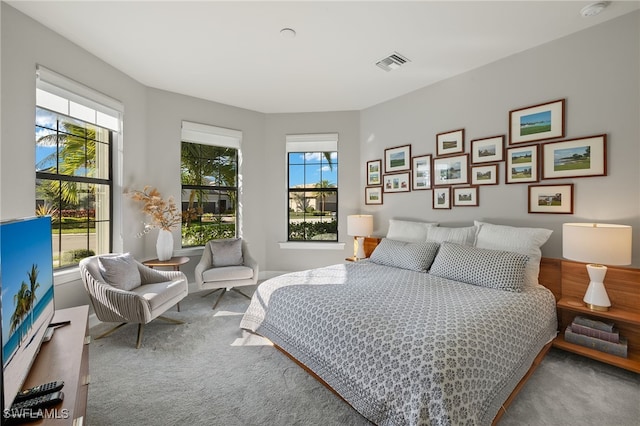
425, 332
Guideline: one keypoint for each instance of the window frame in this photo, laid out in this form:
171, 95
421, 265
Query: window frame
211, 188
322, 144
220, 137
60, 178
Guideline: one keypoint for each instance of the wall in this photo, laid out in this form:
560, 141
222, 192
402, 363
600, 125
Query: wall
596, 70
150, 149
26, 43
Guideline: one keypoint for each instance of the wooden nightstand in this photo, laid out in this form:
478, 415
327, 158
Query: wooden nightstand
623, 287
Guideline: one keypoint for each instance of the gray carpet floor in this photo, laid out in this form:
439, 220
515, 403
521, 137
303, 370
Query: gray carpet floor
210, 372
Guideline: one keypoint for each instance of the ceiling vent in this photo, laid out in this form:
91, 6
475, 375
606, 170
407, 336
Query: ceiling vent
392, 62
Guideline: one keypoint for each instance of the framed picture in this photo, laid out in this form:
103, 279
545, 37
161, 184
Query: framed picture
522, 164
374, 172
397, 159
442, 198
465, 196
451, 142
484, 175
397, 182
373, 195
487, 150
421, 167
537, 122
575, 158
451, 170
551, 199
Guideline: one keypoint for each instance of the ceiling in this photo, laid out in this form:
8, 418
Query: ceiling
232, 52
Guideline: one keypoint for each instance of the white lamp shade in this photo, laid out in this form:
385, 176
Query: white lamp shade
604, 244
359, 225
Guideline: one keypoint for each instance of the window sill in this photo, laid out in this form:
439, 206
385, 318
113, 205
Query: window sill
188, 251
66, 276
306, 245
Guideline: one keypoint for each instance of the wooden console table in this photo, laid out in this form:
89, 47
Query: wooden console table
65, 357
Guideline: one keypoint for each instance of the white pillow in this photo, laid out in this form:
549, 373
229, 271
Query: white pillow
465, 235
516, 239
400, 254
120, 271
408, 231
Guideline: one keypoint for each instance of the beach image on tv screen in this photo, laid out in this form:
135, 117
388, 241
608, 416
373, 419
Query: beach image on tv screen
26, 279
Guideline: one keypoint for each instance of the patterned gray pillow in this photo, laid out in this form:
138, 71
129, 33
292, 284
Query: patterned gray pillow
404, 255
120, 271
502, 270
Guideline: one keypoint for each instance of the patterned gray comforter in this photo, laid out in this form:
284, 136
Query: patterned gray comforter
404, 347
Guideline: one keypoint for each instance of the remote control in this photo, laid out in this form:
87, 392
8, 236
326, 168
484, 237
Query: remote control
35, 391
37, 402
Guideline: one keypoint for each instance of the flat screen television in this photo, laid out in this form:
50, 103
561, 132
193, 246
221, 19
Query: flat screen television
26, 280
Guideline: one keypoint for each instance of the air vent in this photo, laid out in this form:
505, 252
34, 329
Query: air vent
392, 62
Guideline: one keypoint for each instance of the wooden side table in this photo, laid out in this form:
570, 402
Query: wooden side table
174, 262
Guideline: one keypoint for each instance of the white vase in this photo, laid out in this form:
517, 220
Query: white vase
164, 245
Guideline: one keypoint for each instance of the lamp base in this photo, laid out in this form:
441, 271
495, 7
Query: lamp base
596, 297
597, 308
360, 254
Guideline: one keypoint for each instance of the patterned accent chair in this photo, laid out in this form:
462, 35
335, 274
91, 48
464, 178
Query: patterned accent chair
226, 264
123, 290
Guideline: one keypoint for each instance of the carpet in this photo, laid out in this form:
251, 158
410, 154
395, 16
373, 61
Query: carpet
210, 372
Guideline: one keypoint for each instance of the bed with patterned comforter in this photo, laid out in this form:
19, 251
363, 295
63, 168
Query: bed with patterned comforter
405, 347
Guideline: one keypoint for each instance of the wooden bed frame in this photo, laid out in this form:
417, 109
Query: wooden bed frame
562, 278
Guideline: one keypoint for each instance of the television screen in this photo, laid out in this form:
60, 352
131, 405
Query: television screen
26, 280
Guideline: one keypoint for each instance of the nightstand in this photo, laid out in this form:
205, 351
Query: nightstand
624, 291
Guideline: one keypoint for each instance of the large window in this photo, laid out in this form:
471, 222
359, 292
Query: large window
209, 176
313, 187
73, 178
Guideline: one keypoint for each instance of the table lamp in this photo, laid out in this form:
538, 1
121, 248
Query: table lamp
597, 244
359, 226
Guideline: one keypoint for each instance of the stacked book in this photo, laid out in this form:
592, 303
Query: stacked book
594, 334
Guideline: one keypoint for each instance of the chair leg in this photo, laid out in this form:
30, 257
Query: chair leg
238, 291
211, 292
111, 330
140, 328
171, 320
224, 290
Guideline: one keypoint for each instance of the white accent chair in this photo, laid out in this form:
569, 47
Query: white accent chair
226, 264
139, 295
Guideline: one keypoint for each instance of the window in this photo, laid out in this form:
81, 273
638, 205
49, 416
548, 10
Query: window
209, 177
73, 144
312, 162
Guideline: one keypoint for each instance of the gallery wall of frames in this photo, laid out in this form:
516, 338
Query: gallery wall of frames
536, 152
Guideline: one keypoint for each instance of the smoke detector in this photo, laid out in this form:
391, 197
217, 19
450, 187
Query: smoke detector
593, 9
392, 62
